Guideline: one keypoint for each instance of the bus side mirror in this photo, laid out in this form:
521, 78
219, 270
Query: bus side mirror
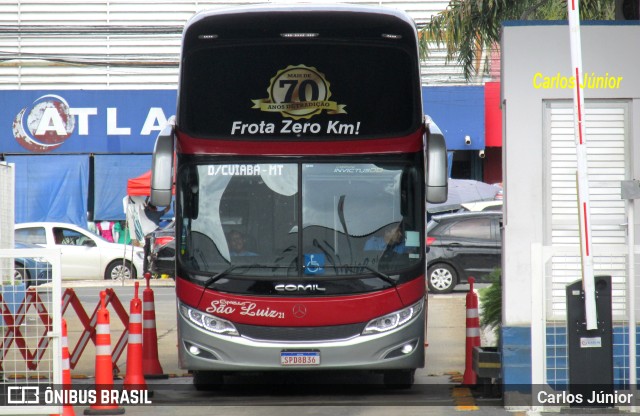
162, 168
436, 158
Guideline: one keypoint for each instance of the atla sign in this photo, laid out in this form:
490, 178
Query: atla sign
87, 121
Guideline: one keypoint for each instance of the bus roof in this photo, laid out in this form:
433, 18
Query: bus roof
270, 21
306, 8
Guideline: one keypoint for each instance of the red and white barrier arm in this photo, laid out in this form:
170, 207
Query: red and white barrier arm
586, 252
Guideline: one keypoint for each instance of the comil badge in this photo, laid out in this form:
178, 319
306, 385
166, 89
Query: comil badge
299, 92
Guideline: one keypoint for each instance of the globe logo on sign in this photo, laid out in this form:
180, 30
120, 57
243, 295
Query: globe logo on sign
45, 125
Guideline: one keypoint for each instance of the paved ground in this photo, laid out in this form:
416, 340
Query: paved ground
437, 390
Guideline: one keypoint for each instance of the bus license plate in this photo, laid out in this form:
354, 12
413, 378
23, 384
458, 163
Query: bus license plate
299, 358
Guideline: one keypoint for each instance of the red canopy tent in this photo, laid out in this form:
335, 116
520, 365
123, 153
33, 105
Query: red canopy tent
141, 185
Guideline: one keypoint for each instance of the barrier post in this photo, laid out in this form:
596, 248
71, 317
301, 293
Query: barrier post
473, 334
150, 362
134, 379
104, 368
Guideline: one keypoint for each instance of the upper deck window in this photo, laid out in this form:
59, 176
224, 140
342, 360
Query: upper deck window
299, 88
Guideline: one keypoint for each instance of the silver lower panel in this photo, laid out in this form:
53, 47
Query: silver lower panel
233, 353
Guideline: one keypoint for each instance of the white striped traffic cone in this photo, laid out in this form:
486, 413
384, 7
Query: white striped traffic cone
67, 409
134, 379
473, 334
104, 367
150, 361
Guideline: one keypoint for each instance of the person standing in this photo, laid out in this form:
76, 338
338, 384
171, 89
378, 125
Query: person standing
121, 233
106, 230
153, 213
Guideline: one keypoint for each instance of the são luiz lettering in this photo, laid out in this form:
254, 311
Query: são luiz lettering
589, 81
597, 397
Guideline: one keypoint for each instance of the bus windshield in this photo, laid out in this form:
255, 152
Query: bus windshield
300, 219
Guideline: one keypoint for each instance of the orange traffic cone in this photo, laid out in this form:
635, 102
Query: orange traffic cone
67, 409
150, 363
134, 379
104, 367
473, 334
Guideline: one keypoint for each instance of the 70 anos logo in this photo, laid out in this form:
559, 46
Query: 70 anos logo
299, 92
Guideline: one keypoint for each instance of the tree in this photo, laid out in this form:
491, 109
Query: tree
470, 27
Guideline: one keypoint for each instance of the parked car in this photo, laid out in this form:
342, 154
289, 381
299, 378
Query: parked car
84, 255
31, 271
160, 251
462, 245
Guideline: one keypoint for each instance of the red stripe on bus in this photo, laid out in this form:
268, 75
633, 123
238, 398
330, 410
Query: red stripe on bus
318, 311
406, 144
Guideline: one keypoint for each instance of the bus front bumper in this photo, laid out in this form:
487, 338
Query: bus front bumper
402, 348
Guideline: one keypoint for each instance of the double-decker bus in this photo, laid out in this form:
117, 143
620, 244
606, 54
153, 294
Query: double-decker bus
301, 160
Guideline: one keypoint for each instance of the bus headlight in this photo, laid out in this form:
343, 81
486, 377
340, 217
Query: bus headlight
208, 322
393, 320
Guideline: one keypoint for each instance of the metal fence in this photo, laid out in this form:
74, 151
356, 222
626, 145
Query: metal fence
30, 324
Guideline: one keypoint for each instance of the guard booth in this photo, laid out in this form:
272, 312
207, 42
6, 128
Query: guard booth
541, 239
590, 351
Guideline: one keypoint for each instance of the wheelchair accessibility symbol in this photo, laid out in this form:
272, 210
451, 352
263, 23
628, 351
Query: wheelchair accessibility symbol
313, 263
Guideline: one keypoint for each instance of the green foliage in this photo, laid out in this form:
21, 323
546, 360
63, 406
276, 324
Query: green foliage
469, 27
491, 303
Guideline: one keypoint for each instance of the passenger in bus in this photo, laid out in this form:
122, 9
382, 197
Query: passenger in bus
392, 240
237, 244
390, 249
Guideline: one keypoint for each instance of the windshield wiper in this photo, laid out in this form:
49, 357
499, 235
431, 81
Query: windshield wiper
225, 272
377, 273
381, 275
220, 275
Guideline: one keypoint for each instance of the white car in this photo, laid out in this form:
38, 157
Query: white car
84, 255
495, 205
